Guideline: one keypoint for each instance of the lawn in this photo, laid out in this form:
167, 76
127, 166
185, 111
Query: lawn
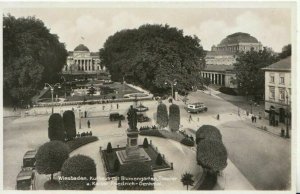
109, 160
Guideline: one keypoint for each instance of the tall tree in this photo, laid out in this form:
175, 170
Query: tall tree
152, 54
249, 74
69, 124
31, 57
286, 51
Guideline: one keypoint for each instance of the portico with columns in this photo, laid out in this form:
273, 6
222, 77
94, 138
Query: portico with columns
220, 75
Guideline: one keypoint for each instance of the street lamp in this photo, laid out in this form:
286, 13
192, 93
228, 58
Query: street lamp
79, 112
172, 83
52, 91
63, 78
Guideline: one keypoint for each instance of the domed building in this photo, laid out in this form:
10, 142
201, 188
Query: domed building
83, 62
220, 60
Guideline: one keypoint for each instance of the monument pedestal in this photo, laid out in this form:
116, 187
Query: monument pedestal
132, 153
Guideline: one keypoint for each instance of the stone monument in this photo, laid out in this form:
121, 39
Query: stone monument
132, 153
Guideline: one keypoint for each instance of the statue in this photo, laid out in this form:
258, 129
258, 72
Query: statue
132, 119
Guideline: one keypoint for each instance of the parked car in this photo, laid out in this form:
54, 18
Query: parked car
196, 107
141, 118
25, 179
116, 116
29, 159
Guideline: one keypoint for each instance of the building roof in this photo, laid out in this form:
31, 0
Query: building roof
282, 65
219, 53
219, 68
81, 47
238, 37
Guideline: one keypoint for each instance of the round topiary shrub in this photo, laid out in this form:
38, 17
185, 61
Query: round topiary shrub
78, 166
135, 176
51, 156
174, 117
212, 155
56, 129
208, 132
69, 124
187, 141
162, 115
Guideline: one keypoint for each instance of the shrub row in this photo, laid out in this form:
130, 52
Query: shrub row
187, 141
152, 132
78, 142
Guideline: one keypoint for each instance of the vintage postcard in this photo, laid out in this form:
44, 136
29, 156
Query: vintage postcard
160, 96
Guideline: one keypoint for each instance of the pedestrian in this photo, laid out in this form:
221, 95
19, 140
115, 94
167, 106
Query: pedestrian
103, 107
198, 119
117, 106
190, 118
85, 114
120, 124
218, 117
88, 123
254, 119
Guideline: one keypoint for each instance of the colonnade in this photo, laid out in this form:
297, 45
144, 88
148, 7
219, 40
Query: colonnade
215, 78
86, 65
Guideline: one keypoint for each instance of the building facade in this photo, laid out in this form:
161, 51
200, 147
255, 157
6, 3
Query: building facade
224, 55
81, 60
278, 91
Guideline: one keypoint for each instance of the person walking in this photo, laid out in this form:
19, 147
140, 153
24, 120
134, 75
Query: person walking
218, 117
103, 107
117, 106
88, 123
190, 118
85, 114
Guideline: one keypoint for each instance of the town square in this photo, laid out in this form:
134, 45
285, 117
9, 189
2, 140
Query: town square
153, 103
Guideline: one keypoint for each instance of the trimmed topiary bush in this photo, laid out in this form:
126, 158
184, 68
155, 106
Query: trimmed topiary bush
142, 174
208, 132
152, 132
187, 141
109, 148
56, 129
69, 124
51, 156
145, 143
159, 160
162, 115
212, 155
79, 166
174, 117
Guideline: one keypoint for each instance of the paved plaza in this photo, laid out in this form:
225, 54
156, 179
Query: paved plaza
260, 160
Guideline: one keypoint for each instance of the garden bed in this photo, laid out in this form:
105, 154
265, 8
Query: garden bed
81, 141
109, 160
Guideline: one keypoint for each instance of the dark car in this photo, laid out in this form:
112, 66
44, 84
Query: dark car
29, 159
141, 118
25, 180
116, 117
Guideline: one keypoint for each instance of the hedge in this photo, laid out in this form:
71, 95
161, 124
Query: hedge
78, 142
153, 132
187, 141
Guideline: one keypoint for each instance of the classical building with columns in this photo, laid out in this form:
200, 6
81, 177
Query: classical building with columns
83, 62
220, 60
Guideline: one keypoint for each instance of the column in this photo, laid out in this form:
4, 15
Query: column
213, 78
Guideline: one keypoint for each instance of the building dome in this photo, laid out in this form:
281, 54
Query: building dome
238, 37
81, 47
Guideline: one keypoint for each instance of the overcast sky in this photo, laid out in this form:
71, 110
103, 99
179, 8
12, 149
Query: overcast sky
271, 26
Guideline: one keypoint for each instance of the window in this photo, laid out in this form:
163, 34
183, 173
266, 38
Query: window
272, 79
281, 80
281, 94
272, 92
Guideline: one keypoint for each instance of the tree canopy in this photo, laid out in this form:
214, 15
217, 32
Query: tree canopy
152, 54
249, 74
31, 57
286, 51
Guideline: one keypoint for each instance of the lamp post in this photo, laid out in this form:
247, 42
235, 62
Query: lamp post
63, 78
79, 112
52, 91
172, 83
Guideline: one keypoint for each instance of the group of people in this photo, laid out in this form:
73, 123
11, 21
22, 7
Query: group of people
253, 119
83, 134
